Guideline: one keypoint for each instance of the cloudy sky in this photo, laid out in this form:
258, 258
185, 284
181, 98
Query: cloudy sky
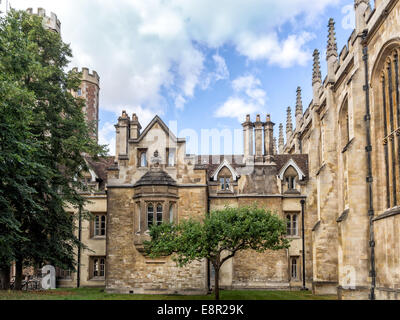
202, 63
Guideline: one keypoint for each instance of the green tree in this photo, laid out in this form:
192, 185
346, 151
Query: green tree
45, 145
218, 237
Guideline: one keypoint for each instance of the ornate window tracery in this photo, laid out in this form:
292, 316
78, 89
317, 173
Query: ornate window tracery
391, 126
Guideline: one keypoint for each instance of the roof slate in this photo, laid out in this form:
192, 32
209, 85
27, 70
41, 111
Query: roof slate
155, 178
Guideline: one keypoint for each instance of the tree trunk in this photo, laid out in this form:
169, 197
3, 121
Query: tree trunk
18, 275
5, 277
216, 283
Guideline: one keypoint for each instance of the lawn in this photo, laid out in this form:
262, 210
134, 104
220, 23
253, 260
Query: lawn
99, 294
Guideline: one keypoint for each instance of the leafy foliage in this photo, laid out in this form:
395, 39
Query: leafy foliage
44, 139
218, 237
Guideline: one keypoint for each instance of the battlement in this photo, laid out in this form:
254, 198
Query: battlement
87, 76
51, 23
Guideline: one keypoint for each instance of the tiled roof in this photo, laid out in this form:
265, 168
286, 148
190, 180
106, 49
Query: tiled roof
155, 178
211, 162
100, 166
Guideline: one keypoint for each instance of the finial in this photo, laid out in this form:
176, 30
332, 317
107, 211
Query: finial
358, 2
258, 118
289, 125
247, 118
299, 103
268, 119
316, 68
332, 45
281, 139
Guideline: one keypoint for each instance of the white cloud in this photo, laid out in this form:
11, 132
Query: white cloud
284, 53
147, 51
221, 72
248, 98
107, 137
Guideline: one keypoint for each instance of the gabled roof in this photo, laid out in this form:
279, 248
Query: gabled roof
223, 164
163, 126
301, 161
155, 178
99, 168
291, 163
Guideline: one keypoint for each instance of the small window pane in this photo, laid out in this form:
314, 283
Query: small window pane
288, 226
227, 183
96, 267
103, 226
294, 268
294, 225
171, 214
150, 215
159, 214
222, 182
96, 226
102, 267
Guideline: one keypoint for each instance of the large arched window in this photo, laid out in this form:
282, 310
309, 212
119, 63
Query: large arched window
391, 125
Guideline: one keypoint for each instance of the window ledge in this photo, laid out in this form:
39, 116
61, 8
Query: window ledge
225, 192
294, 237
346, 147
98, 238
343, 216
97, 279
389, 213
320, 169
315, 228
292, 191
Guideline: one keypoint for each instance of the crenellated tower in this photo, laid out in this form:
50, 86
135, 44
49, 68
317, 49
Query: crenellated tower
51, 23
89, 90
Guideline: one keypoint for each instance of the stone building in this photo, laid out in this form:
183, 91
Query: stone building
351, 133
342, 157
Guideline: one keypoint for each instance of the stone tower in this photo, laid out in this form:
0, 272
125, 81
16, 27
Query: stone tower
51, 23
89, 90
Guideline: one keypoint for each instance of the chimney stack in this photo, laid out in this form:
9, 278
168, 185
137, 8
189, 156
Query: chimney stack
258, 136
135, 127
122, 129
248, 138
268, 136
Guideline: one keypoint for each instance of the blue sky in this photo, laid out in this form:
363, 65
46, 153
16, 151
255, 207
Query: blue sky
203, 64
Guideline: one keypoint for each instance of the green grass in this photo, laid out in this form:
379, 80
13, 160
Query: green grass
99, 294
